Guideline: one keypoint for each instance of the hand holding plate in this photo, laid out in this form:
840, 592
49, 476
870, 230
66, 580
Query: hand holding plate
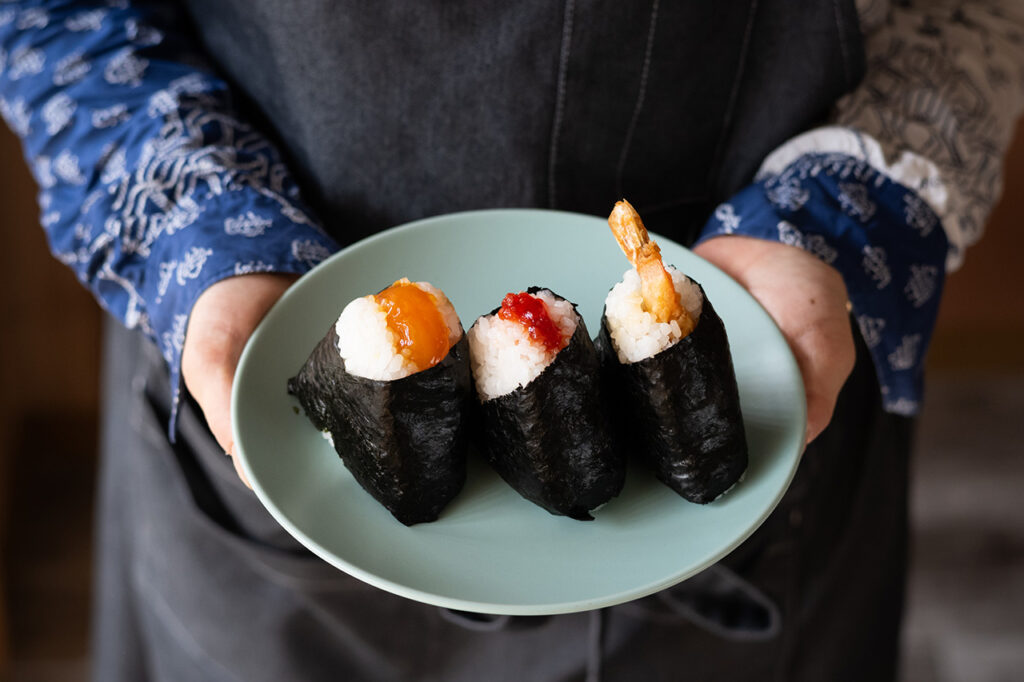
221, 323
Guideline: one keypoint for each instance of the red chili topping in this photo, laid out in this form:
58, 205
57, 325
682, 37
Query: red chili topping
532, 314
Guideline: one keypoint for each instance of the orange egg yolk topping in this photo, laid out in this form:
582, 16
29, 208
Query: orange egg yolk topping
530, 312
412, 316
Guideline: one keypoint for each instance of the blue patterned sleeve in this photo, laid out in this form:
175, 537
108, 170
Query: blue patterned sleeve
886, 242
151, 187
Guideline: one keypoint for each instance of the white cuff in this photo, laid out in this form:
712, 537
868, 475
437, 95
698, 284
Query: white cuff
910, 170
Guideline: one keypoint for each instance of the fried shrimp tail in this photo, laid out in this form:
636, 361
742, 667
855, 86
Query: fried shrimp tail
656, 287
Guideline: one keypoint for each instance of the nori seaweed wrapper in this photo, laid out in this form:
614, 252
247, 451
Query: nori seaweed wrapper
405, 441
550, 440
679, 410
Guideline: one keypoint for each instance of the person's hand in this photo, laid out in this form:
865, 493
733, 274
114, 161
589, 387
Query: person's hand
222, 320
807, 299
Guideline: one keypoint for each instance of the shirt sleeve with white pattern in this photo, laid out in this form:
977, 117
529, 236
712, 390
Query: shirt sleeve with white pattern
151, 189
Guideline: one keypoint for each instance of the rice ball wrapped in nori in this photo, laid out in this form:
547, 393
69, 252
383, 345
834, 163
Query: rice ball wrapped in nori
668, 366
389, 385
542, 422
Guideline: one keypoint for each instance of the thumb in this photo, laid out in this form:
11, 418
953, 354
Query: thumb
222, 320
213, 394
208, 371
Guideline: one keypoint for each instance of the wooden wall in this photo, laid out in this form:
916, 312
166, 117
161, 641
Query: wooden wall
981, 321
49, 352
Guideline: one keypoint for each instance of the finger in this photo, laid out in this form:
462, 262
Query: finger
237, 461
216, 364
220, 325
216, 402
820, 407
209, 374
825, 355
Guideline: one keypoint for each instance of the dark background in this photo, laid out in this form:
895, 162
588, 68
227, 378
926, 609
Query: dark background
965, 594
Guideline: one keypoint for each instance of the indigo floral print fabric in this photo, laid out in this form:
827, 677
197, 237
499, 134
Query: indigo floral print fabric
151, 189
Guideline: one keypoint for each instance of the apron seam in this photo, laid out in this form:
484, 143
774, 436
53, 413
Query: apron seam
843, 48
563, 68
748, 30
786, 662
641, 94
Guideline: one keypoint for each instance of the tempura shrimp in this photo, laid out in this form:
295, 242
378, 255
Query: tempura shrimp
656, 287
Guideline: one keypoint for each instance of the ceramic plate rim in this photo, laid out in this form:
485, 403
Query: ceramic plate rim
474, 605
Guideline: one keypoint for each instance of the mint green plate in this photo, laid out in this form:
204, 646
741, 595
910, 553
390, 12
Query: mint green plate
492, 551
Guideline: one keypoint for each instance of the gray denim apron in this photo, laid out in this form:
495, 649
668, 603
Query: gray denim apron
410, 109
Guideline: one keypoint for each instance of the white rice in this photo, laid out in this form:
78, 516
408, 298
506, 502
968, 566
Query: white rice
636, 335
368, 347
503, 356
